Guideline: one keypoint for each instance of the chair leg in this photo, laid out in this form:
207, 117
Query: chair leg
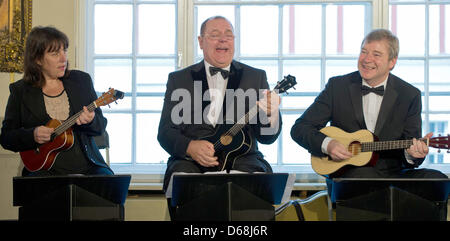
107, 156
330, 208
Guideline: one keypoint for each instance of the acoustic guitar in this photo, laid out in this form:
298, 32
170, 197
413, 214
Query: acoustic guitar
363, 146
230, 141
43, 157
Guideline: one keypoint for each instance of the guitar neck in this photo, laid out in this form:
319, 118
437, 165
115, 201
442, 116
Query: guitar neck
243, 121
71, 121
387, 145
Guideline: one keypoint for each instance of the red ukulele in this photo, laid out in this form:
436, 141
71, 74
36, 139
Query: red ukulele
62, 138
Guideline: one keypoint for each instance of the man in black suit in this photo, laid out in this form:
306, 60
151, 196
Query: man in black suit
348, 103
197, 101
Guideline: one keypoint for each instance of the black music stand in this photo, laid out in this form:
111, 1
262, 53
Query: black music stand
71, 197
227, 197
390, 199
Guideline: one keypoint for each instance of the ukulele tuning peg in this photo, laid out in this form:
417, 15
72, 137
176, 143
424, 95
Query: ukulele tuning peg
109, 106
439, 150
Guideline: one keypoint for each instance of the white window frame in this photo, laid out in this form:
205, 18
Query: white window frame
186, 39
445, 168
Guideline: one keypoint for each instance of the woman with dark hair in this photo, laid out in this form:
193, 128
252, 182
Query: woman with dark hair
49, 90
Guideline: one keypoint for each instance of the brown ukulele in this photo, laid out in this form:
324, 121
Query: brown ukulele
362, 145
62, 138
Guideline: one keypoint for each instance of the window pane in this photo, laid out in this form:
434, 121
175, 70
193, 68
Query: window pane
155, 37
113, 28
149, 103
439, 102
148, 149
439, 29
345, 28
439, 126
440, 75
447, 29
302, 26
269, 151
122, 105
293, 153
340, 67
259, 30
270, 66
119, 131
151, 74
114, 73
297, 102
412, 39
306, 72
411, 71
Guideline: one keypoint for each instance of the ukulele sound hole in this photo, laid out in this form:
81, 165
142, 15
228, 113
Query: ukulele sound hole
355, 148
226, 140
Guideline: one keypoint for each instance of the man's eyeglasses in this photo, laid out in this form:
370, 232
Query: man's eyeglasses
215, 36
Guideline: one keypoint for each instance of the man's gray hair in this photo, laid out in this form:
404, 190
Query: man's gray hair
384, 34
203, 26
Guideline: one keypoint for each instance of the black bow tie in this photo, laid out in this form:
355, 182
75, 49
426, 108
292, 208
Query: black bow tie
215, 70
366, 90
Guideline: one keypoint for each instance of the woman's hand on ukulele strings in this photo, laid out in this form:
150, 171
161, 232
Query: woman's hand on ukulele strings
86, 116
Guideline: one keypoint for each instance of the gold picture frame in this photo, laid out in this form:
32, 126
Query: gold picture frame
15, 24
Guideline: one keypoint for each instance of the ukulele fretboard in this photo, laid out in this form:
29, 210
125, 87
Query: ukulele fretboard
386, 145
71, 121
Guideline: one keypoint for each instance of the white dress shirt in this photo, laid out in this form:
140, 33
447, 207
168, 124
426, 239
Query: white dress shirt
371, 106
217, 87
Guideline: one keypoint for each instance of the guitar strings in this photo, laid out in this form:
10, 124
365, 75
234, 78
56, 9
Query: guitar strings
236, 127
385, 145
69, 122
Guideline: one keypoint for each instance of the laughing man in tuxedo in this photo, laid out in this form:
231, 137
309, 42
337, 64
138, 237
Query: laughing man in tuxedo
217, 73
374, 99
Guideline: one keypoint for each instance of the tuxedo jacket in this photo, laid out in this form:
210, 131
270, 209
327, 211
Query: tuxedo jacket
340, 103
26, 110
174, 137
